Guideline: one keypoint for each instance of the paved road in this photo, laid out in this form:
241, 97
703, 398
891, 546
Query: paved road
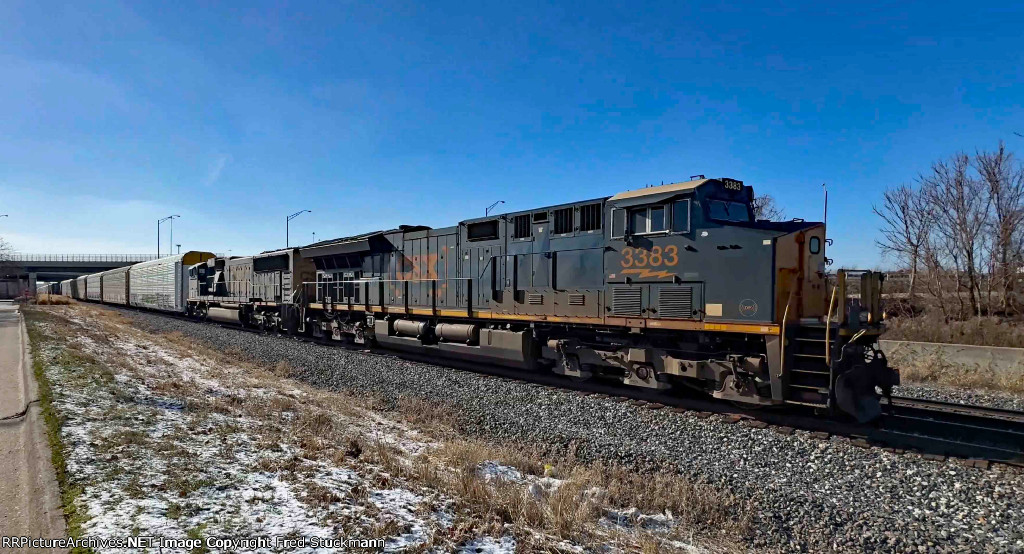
29, 497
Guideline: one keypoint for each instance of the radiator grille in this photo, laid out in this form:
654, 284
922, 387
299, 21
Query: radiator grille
626, 301
535, 299
676, 302
577, 299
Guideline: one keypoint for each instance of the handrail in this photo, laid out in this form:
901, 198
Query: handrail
359, 291
828, 324
782, 331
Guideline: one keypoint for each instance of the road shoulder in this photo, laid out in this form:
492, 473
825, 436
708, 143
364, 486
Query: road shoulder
29, 495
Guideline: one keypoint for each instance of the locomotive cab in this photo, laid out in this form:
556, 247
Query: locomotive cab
766, 326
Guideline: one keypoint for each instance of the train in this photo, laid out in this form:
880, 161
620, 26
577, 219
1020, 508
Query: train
669, 286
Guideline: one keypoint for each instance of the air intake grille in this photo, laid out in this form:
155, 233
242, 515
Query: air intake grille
577, 299
676, 302
626, 301
534, 298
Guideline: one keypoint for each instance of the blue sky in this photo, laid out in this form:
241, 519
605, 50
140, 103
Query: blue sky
378, 114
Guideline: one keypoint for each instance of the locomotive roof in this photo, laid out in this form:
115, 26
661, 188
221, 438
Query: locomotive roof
684, 186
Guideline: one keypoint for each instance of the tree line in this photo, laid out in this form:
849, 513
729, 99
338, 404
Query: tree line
957, 231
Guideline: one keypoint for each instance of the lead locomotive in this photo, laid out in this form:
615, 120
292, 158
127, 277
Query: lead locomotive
668, 285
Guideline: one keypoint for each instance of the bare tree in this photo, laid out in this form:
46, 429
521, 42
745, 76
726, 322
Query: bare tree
958, 206
905, 228
1005, 182
6, 253
766, 208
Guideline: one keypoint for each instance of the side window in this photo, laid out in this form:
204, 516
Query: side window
657, 218
648, 219
618, 223
815, 245
638, 220
681, 216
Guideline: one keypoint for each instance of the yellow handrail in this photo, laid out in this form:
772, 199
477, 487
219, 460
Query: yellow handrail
782, 343
828, 325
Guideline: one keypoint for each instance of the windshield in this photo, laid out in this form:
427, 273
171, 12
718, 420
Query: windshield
727, 210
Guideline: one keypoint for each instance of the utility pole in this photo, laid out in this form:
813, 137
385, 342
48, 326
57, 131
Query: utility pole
179, 248
287, 221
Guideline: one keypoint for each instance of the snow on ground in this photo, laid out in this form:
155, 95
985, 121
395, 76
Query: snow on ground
165, 441
148, 465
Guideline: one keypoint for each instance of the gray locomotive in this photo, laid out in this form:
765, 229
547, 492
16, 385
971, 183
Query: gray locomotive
672, 285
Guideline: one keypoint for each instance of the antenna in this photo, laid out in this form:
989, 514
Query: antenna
824, 218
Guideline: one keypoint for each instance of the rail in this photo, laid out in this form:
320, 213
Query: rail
20, 257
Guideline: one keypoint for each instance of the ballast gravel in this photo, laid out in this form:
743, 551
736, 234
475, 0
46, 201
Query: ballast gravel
805, 494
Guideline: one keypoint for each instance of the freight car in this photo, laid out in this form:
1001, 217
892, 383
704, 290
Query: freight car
673, 285
160, 284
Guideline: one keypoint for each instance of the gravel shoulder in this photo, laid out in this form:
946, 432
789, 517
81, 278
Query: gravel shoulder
806, 494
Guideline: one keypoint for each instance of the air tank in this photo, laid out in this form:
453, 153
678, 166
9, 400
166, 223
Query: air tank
457, 332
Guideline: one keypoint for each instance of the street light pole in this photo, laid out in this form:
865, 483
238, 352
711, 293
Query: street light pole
158, 222
287, 222
487, 212
179, 248
171, 238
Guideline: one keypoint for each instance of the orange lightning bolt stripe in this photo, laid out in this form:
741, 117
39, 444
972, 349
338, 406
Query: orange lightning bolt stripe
647, 273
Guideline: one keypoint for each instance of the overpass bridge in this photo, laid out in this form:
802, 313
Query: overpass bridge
21, 272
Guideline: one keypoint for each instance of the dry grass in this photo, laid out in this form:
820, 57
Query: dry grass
934, 369
932, 327
53, 300
571, 510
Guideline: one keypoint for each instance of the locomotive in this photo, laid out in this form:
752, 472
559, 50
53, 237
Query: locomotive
675, 285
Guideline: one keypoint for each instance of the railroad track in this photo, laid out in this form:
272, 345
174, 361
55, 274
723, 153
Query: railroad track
954, 429
934, 429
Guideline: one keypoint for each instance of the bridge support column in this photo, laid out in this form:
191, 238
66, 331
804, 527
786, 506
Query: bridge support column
32, 283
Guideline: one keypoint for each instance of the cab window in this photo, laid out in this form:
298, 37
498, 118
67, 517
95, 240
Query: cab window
681, 216
648, 219
727, 210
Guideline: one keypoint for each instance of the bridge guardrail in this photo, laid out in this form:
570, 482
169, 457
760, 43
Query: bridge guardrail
19, 257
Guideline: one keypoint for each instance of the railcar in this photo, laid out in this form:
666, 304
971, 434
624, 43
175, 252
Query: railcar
162, 284
79, 287
673, 285
94, 287
115, 286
